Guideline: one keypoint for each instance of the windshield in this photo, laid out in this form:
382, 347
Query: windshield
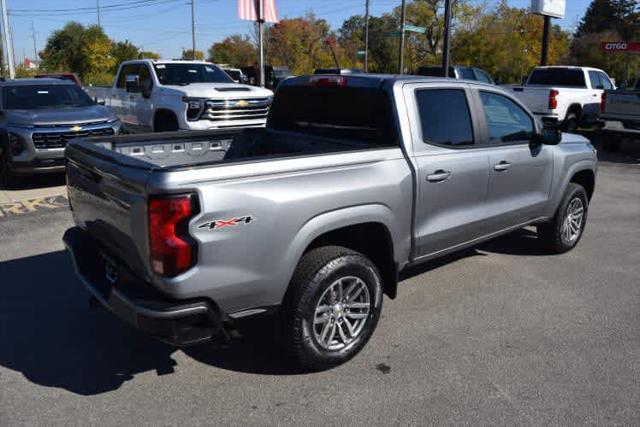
184, 74
33, 97
569, 77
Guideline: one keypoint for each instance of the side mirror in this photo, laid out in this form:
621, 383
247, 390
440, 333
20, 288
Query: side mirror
132, 83
551, 134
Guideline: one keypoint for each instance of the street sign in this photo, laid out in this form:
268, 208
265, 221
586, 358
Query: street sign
621, 47
360, 54
552, 8
414, 29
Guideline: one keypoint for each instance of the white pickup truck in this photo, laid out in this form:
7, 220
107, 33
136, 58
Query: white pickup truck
572, 95
159, 95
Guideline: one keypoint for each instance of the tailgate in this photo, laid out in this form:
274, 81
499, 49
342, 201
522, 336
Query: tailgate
623, 104
109, 202
535, 98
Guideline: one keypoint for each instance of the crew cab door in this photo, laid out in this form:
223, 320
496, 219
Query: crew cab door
452, 171
520, 168
136, 106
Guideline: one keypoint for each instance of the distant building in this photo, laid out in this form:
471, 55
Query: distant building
29, 64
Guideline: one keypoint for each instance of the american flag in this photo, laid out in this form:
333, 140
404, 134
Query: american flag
247, 9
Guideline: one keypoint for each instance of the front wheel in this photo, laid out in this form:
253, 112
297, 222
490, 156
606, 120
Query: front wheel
564, 231
332, 308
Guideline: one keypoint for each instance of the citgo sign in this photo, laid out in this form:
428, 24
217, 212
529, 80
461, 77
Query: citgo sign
621, 46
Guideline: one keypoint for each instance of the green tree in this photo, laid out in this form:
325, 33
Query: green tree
237, 50
190, 54
96, 60
124, 51
147, 54
62, 51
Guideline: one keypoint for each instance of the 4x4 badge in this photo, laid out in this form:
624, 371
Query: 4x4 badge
222, 223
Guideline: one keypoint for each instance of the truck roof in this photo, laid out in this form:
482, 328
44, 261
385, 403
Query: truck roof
36, 82
573, 67
166, 61
372, 80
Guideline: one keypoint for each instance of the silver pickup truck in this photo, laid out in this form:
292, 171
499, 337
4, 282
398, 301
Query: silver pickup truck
354, 179
620, 113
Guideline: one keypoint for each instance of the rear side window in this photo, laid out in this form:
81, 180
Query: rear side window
353, 113
569, 77
445, 116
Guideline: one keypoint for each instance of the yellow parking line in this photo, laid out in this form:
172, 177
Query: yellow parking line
33, 205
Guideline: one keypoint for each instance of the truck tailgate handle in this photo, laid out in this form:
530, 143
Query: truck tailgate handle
502, 166
439, 176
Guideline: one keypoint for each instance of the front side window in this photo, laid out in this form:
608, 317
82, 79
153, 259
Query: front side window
506, 120
445, 117
604, 80
145, 78
126, 70
40, 97
595, 80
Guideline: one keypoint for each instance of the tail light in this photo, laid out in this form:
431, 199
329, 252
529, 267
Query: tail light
553, 101
173, 251
325, 81
603, 101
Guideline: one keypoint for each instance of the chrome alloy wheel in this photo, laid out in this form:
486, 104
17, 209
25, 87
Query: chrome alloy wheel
341, 313
572, 224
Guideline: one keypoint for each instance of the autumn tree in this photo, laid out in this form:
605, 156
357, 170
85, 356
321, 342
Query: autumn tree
96, 56
124, 51
506, 42
237, 50
190, 54
62, 51
147, 54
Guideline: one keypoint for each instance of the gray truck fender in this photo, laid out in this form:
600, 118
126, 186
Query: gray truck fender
579, 166
344, 217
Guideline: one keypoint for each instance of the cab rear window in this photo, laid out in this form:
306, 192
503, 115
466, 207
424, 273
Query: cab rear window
569, 77
342, 112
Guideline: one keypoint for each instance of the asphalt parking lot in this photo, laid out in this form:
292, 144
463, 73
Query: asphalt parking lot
500, 334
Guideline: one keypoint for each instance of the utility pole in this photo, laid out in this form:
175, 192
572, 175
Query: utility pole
193, 29
98, 12
366, 37
8, 39
545, 40
401, 53
33, 36
261, 40
447, 34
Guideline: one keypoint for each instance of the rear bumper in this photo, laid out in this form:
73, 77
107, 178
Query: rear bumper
180, 323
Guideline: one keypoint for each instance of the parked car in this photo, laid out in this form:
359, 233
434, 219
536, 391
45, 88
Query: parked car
457, 72
354, 179
236, 75
273, 74
157, 95
571, 95
338, 71
37, 119
620, 111
65, 76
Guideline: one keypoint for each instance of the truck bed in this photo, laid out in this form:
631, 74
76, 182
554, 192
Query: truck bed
174, 150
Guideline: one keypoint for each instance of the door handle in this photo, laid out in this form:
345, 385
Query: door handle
439, 176
502, 166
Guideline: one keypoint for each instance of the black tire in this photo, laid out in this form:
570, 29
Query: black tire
551, 234
8, 180
317, 271
612, 143
570, 123
165, 122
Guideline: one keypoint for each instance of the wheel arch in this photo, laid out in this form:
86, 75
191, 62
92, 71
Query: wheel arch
368, 229
574, 108
587, 179
166, 113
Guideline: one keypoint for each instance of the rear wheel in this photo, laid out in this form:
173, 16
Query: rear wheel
564, 231
570, 123
332, 307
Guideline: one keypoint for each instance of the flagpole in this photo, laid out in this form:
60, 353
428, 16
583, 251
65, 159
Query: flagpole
261, 39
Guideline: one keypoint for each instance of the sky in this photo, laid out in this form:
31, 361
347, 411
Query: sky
164, 26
